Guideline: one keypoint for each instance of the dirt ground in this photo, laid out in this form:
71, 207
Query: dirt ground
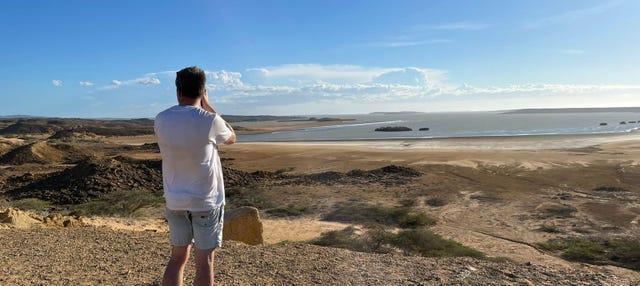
100, 256
497, 196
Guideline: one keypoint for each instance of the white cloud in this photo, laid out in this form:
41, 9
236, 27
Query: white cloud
147, 81
406, 76
56, 82
571, 15
545, 89
300, 74
413, 87
86, 83
308, 74
324, 89
224, 78
161, 74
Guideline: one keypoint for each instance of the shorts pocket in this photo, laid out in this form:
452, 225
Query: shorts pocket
204, 219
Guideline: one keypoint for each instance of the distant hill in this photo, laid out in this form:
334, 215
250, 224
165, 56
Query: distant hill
41, 125
573, 110
18, 116
255, 118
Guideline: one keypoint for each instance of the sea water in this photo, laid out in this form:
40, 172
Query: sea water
458, 124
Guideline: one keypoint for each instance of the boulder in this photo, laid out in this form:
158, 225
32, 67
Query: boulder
58, 220
243, 224
393, 129
16, 218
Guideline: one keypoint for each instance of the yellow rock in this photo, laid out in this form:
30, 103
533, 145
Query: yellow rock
16, 218
243, 224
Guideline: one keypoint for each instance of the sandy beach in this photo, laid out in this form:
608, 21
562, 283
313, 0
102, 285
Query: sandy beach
520, 151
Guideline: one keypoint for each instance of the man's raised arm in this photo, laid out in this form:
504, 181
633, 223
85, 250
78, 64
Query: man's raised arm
206, 105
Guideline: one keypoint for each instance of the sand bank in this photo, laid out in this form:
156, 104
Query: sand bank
529, 152
523, 142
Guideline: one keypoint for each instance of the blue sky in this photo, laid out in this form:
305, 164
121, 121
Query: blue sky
79, 58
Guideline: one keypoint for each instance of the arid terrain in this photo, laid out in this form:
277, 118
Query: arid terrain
509, 199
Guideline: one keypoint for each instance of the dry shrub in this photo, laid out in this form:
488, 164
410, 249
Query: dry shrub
120, 203
415, 242
289, 210
32, 204
436, 202
609, 189
620, 251
364, 213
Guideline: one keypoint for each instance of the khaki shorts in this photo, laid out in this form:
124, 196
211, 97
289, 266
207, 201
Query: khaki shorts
203, 229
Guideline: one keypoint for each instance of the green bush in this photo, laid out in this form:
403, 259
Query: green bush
252, 195
284, 170
345, 238
122, 203
418, 242
559, 211
364, 213
423, 242
32, 204
553, 245
584, 251
623, 252
289, 210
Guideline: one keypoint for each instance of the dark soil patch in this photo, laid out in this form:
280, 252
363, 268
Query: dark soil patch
237, 178
92, 179
150, 147
389, 176
609, 189
436, 202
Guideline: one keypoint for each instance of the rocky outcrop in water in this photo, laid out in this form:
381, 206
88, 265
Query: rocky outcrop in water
393, 129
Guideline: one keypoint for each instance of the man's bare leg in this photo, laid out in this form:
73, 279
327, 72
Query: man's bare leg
175, 268
204, 267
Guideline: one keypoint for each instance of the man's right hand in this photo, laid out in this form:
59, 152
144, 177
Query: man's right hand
206, 105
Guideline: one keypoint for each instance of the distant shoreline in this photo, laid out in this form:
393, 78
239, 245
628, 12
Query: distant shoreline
515, 142
573, 110
258, 118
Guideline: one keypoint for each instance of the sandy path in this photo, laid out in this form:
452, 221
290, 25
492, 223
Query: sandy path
274, 230
304, 229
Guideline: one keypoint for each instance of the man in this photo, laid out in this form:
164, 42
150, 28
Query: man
189, 135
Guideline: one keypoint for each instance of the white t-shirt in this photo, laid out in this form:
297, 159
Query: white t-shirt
191, 171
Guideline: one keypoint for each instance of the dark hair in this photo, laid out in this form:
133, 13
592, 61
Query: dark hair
191, 81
